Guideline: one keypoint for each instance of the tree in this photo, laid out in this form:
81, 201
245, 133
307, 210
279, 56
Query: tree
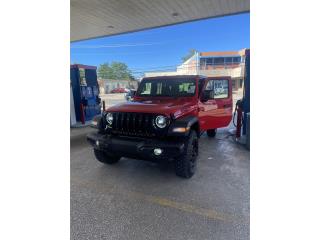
104, 71
188, 55
116, 70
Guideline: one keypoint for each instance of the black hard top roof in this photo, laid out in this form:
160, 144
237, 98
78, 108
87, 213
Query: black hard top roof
175, 76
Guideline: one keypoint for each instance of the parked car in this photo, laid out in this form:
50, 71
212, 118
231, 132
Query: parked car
120, 90
163, 122
129, 95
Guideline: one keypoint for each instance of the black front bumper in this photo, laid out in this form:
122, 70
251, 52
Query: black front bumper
139, 148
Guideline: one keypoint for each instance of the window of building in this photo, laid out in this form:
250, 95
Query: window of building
228, 60
209, 61
236, 59
202, 62
219, 61
233, 84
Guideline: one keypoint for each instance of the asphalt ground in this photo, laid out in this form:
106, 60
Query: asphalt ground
139, 200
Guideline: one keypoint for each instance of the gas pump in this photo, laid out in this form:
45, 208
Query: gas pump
91, 101
243, 106
85, 91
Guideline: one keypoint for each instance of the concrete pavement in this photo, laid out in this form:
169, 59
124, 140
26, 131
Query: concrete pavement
138, 200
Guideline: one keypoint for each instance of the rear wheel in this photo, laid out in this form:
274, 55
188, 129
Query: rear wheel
185, 165
212, 132
105, 157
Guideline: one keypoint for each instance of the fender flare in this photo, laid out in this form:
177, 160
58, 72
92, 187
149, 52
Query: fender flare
184, 122
98, 122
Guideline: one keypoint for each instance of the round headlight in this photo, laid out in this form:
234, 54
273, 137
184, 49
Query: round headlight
109, 118
161, 121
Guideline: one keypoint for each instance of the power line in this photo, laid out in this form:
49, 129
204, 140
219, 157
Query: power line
176, 67
166, 68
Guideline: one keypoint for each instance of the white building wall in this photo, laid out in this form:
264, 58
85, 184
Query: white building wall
192, 67
236, 72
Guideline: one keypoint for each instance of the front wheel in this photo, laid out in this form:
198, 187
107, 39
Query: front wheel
105, 157
185, 165
212, 132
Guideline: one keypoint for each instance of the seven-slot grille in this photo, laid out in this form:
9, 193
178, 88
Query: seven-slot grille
134, 124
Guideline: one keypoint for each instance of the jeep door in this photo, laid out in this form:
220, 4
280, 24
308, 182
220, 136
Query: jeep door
215, 103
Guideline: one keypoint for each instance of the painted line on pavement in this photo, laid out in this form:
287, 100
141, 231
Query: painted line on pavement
207, 213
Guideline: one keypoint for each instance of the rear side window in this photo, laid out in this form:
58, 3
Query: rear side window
146, 89
174, 87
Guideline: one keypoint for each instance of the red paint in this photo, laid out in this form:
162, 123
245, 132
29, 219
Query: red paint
215, 113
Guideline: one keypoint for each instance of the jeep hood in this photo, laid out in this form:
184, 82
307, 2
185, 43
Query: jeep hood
176, 107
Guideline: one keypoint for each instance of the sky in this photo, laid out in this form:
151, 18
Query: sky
162, 48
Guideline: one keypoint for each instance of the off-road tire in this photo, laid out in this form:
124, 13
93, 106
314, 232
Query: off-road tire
212, 132
104, 157
185, 165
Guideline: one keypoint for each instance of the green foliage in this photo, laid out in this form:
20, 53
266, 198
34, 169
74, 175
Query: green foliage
188, 55
104, 71
116, 70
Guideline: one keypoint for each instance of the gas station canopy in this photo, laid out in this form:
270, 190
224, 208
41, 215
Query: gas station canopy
98, 18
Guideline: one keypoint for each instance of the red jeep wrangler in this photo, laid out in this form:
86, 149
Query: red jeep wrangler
164, 121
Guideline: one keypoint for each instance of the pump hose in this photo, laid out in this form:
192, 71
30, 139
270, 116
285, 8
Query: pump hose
234, 114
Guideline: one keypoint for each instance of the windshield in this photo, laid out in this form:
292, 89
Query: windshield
176, 87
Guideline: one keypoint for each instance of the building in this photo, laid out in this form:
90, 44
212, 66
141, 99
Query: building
212, 64
107, 85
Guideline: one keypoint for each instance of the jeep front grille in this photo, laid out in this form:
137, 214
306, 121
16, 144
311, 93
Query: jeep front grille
134, 124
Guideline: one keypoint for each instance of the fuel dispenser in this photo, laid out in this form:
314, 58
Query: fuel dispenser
85, 88
243, 106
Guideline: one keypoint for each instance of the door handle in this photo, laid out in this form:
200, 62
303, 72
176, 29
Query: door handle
226, 105
200, 109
